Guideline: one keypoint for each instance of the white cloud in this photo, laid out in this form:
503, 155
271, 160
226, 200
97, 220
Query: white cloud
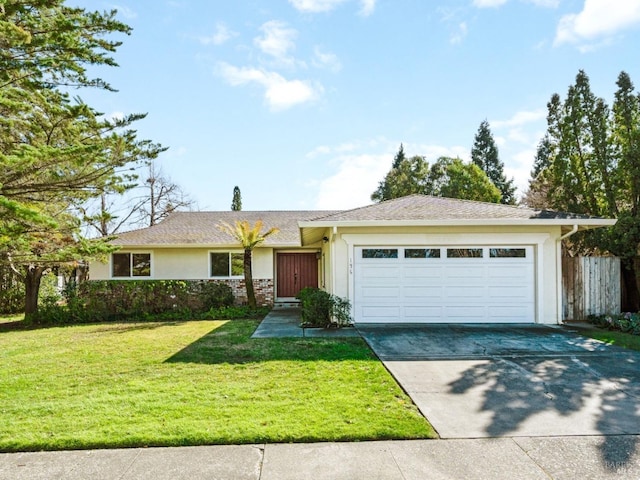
126, 12
458, 36
367, 7
546, 3
340, 191
368, 162
520, 118
499, 3
489, 3
114, 116
277, 40
279, 93
598, 18
221, 35
328, 60
316, 6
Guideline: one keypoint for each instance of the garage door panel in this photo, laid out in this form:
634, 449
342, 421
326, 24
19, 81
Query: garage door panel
422, 293
422, 272
446, 290
454, 272
373, 275
510, 294
466, 313
464, 293
380, 314
380, 292
422, 314
511, 314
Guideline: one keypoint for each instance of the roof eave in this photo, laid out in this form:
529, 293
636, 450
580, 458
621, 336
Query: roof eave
212, 246
585, 222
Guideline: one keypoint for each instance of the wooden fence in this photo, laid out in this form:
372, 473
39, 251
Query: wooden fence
590, 286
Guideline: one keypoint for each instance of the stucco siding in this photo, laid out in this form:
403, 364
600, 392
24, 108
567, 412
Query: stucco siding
186, 264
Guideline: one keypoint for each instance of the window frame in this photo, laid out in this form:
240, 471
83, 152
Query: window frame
427, 256
229, 253
384, 256
498, 252
469, 249
131, 275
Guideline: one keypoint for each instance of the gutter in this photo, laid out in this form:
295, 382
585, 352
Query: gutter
559, 269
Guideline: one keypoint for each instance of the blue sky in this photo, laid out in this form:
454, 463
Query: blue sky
303, 103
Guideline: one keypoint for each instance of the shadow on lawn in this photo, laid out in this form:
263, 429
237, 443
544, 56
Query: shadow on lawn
521, 387
231, 343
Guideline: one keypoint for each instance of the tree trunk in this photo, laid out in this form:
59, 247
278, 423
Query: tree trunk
631, 297
33, 275
248, 280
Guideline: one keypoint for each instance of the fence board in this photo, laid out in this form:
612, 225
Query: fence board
590, 286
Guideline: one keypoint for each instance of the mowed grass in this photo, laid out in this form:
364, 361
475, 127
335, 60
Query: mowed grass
613, 337
192, 383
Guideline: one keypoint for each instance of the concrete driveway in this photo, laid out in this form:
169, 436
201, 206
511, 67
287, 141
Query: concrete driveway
475, 381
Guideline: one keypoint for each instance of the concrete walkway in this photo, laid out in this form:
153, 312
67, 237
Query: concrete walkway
561, 458
285, 323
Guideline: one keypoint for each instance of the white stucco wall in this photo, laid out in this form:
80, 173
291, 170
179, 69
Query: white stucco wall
185, 264
544, 240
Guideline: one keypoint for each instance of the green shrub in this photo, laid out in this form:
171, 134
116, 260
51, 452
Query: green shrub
321, 309
625, 322
109, 300
216, 295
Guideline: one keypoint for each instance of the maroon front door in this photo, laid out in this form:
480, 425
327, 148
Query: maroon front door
295, 272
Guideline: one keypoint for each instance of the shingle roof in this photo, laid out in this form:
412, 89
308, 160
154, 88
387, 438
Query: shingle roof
426, 207
201, 228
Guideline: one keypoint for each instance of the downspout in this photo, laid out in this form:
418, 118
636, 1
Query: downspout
559, 296
334, 232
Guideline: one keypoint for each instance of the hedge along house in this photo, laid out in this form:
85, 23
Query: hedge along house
416, 259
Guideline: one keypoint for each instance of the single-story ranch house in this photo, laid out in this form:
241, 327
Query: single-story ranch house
412, 259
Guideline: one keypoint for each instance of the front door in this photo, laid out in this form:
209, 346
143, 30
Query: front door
295, 272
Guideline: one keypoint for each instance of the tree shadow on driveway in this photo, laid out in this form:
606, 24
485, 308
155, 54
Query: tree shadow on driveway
590, 394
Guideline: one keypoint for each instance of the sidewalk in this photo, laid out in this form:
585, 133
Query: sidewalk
560, 458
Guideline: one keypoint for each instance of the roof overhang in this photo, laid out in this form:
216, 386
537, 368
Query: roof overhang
313, 231
208, 246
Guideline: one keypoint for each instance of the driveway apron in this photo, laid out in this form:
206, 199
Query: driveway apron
475, 381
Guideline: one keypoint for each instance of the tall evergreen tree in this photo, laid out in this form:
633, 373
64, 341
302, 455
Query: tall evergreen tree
590, 164
484, 154
399, 158
55, 152
409, 176
452, 178
236, 203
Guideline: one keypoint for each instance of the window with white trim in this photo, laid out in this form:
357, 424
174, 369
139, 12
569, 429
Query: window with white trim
226, 264
130, 265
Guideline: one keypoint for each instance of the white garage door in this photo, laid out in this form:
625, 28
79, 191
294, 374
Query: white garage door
444, 284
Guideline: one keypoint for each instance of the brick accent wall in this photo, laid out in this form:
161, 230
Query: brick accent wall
263, 288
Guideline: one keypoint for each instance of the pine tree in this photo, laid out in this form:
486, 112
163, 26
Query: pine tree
484, 154
399, 158
236, 203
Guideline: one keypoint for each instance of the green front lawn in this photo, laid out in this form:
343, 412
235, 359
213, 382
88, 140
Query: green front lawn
192, 383
613, 337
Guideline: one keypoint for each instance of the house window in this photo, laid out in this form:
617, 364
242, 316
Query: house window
507, 253
379, 253
131, 264
464, 253
227, 264
421, 253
